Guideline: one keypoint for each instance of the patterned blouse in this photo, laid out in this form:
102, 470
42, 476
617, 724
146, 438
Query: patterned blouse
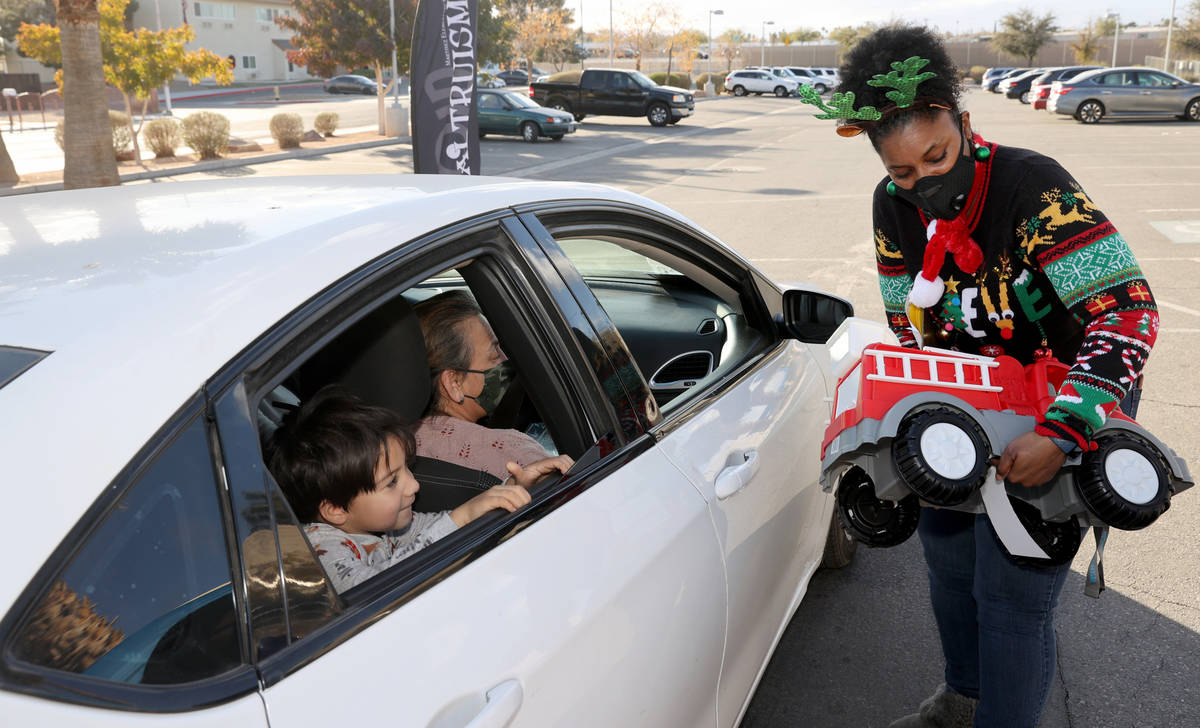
1056, 276
352, 558
457, 441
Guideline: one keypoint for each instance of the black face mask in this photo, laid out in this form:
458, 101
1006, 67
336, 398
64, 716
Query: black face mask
495, 385
944, 195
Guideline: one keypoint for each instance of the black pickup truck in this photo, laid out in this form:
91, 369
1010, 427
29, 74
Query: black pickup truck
614, 92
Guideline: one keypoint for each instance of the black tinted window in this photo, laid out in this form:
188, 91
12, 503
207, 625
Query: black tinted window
146, 598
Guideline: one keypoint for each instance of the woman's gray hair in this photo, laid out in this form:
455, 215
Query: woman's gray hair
443, 320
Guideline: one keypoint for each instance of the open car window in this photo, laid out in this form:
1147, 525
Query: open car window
684, 323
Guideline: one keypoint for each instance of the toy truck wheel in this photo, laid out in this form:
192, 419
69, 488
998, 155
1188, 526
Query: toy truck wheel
1124, 482
871, 520
1060, 540
941, 454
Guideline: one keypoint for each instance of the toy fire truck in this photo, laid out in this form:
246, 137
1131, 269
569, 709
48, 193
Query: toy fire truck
911, 426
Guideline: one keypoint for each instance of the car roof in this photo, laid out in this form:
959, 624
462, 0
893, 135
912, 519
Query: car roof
143, 292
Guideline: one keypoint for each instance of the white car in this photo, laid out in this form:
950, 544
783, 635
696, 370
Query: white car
152, 337
813, 77
759, 81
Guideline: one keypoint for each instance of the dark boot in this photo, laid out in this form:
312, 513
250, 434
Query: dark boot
946, 709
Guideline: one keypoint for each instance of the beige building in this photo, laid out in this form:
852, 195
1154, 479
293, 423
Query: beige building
239, 29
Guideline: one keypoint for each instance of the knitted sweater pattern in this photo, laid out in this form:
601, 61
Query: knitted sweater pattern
1057, 278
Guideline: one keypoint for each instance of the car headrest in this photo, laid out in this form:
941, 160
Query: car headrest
380, 358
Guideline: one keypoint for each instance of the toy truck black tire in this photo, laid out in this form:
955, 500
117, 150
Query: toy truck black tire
871, 520
1059, 539
941, 455
1124, 482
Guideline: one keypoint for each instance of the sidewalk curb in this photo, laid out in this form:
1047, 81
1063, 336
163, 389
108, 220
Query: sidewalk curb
219, 164
188, 96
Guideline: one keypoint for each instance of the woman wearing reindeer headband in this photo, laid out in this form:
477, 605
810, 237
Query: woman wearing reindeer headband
991, 250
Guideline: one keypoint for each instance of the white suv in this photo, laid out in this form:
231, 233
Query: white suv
760, 81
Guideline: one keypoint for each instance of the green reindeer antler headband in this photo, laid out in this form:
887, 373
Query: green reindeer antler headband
904, 78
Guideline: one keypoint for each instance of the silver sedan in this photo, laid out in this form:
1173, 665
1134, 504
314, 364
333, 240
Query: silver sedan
1125, 93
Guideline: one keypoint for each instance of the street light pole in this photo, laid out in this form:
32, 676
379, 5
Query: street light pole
1116, 34
1170, 27
167, 85
710, 14
610, 34
395, 65
762, 60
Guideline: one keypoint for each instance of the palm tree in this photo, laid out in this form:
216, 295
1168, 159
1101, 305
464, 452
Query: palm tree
87, 133
8, 172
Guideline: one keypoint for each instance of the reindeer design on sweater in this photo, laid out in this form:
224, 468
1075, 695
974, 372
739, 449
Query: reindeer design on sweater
1002, 317
1077, 208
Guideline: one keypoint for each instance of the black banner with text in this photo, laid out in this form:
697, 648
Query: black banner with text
445, 123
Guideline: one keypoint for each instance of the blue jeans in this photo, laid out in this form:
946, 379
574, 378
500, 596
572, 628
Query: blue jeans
995, 618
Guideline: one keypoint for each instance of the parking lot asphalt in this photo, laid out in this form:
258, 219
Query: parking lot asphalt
778, 185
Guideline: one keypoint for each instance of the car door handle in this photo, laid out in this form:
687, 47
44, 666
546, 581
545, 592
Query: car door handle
1147, 93
1106, 93
734, 478
503, 702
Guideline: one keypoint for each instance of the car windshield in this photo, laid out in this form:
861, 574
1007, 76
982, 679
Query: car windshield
641, 79
520, 101
602, 258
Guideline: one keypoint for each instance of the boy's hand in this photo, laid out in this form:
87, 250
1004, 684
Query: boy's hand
508, 497
1030, 460
530, 474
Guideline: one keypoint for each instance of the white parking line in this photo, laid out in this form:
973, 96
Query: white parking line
610, 151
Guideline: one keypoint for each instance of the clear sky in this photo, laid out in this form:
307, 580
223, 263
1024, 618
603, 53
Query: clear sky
948, 15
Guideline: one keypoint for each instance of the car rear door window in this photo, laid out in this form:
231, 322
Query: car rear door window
145, 596
1120, 78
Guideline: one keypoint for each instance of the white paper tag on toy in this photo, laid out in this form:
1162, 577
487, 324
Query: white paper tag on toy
1004, 519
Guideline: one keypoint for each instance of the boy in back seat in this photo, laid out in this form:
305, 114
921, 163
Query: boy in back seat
343, 466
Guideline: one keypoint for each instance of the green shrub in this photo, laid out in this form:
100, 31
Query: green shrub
326, 123
122, 137
565, 77
207, 132
163, 137
718, 80
287, 129
977, 72
682, 80
122, 132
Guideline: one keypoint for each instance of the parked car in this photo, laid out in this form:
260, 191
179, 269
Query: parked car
514, 77
912, 425
990, 76
1125, 93
166, 579
759, 82
830, 73
351, 84
616, 92
994, 84
489, 80
1039, 90
510, 112
1012, 86
812, 77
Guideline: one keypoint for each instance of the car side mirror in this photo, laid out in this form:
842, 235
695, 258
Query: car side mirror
812, 317
1175, 84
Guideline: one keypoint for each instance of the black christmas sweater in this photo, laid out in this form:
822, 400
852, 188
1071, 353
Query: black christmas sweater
1056, 277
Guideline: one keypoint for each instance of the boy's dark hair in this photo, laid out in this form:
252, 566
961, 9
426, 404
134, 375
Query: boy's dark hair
328, 448
875, 54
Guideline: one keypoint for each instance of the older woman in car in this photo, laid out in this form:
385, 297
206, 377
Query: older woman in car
470, 375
